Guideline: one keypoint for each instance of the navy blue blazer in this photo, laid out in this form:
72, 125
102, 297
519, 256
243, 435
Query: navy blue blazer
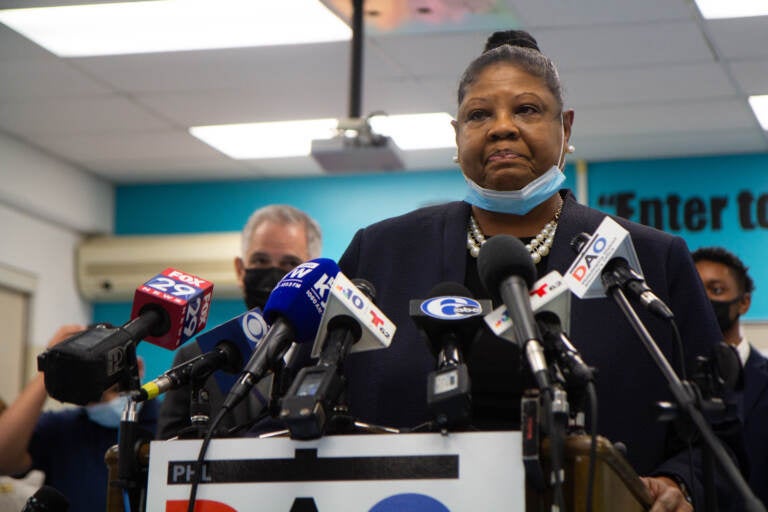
406, 256
754, 415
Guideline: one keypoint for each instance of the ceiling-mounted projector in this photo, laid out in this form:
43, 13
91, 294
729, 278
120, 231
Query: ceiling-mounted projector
356, 148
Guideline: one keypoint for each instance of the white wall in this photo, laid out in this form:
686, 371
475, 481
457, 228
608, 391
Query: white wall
46, 207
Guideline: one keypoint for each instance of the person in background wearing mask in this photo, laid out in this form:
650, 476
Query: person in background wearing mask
68, 445
730, 288
276, 239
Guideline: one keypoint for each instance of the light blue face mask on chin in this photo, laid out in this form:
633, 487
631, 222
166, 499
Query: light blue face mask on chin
108, 414
516, 202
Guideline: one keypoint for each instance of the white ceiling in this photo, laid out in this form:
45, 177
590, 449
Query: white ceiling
646, 78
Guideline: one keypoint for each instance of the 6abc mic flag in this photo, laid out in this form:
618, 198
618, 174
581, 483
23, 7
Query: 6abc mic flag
185, 297
550, 293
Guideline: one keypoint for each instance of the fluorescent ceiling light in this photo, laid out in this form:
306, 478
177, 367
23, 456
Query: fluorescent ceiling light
175, 25
715, 9
265, 140
294, 138
417, 131
759, 106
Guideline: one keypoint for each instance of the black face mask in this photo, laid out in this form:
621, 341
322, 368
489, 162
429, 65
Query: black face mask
723, 312
258, 284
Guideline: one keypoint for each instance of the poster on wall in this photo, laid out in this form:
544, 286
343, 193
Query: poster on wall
709, 201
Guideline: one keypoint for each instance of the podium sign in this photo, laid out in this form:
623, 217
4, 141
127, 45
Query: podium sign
366, 473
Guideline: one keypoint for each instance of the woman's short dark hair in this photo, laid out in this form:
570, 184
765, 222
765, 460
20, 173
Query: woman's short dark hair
519, 48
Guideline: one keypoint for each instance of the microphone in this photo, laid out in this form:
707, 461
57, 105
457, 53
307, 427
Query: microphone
576, 372
225, 356
354, 299
46, 499
450, 318
315, 392
167, 310
245, 332
610, 255
294, 310
550, 293
506, 269
182, 300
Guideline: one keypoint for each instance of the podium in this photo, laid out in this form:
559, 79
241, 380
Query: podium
378, 473
616, 485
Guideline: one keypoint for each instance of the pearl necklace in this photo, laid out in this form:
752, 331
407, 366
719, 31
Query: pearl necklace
539, 245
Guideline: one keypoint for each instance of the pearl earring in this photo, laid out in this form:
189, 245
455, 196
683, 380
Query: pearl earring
455, 159
571, 148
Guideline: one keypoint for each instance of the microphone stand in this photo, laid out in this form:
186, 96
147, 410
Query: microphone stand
132, 478
685, 397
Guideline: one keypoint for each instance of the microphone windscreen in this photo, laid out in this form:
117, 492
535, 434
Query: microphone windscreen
450, 288
366, 287
181, 299
503, 256
300, 297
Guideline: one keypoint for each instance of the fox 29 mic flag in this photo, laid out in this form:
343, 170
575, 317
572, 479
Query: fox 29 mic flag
609, 241
184, 298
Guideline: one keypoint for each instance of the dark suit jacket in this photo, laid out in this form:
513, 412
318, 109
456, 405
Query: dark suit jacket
405, 257
754, 415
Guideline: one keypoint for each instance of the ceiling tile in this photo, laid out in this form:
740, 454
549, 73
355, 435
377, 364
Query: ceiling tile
586, 88
560, 13
675, 116
740, 38
40, 78
752, 75
77, 115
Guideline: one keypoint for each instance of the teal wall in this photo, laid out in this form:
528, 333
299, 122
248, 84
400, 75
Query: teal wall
340, 204
708, 201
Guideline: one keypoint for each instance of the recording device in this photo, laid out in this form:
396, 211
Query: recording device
450, 319
293, 310
349, 317
507, 271
610, 255
167, 310
46, 499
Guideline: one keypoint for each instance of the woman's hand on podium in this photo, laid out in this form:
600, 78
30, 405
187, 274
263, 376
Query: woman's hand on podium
667, 495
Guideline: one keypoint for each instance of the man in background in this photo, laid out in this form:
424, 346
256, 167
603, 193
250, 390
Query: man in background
730, 288
276, 239
68, 445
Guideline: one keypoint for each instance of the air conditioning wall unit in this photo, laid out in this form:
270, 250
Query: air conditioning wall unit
110, 268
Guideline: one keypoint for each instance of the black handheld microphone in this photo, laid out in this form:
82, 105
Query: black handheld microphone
46, 499
167, 310
576, 372
507, 271
450, 318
